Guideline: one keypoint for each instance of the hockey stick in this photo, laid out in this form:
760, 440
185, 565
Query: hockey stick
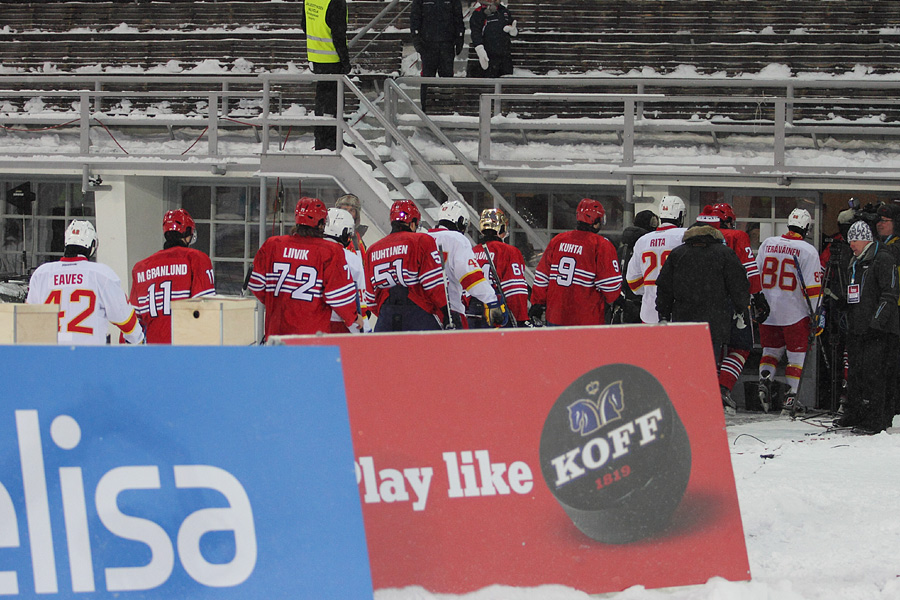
814, 314
450, 324
496, 277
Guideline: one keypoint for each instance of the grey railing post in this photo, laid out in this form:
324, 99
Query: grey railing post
779, 132
266, 99
628, 134
213, 131
484, 128
85, 123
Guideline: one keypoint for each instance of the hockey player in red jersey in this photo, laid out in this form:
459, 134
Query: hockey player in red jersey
578, 274
176, 272
404, 282
508, 262
301, 277
89, 294
463, 272
722, 217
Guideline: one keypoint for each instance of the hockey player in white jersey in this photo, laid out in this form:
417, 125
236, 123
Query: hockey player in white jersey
462, 268
651, 251
785, 263
89, 294
340, 228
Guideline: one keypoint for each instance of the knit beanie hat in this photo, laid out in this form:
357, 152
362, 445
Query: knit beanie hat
860, 232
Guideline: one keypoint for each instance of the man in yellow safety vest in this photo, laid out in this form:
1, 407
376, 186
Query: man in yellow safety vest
325, 24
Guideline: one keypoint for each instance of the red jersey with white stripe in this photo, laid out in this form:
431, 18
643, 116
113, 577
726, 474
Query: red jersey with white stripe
650, 252
577, 276
172, 274
300, 281
407, 259
464, 273
778, 260
89, 296
510, 267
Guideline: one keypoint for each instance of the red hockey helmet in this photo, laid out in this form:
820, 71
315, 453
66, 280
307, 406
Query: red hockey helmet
405, 211
310, 212
178, 220
724, 212
590, 211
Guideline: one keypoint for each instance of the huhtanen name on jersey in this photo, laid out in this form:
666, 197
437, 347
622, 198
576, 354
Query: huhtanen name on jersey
162, 271
596, 453
296, 253
571, 248
779, 249
399, 250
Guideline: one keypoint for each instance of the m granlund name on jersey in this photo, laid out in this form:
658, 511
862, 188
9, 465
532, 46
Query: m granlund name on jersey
162, 271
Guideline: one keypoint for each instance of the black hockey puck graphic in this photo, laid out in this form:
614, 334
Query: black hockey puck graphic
615, 454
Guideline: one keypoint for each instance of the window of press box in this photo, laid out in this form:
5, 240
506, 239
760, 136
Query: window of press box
33, 218
762, 215
227, 219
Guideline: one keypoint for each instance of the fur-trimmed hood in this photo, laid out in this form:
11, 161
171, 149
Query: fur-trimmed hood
703, 234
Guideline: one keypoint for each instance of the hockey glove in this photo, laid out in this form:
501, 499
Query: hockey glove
459, 45
536, 314
446, 321
482, 57
495, 314
512, 30
759, 307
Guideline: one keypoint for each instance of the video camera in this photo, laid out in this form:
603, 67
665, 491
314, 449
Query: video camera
868, 213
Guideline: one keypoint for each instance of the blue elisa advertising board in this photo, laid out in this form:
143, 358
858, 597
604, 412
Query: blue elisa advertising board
162, 472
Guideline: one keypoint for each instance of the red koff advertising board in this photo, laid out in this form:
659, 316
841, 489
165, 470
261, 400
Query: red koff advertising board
591, 457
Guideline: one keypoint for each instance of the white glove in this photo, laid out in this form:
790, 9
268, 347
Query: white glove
482, 56
511, 29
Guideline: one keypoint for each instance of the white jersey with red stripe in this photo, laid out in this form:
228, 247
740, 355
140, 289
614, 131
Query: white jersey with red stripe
90, 296
650, 252
358, 274
462, 268
778, 260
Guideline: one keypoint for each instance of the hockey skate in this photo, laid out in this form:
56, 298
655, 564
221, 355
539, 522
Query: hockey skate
792, 407
727, 401
765, 393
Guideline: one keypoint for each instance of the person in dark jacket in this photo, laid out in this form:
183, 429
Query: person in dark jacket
492, 28
644, 222
325, 24
872, 331
703, 281
437, 31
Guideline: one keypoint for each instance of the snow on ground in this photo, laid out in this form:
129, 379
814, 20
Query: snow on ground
821, 514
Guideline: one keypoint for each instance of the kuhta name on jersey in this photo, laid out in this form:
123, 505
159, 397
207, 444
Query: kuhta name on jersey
136, 482
162, 271
596, 453
571, 248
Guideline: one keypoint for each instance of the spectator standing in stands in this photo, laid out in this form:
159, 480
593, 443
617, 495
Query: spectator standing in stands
703, 281
786, 263
325, 24
437, 34
508, 262
872, 296
89, 294
492, 28
578, 274
176, 272
644, 222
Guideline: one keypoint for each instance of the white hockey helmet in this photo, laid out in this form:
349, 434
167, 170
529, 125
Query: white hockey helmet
82, 233
339, 225
800, 219
671, 207
455, 212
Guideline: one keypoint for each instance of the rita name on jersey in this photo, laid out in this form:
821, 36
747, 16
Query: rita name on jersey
162, 271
